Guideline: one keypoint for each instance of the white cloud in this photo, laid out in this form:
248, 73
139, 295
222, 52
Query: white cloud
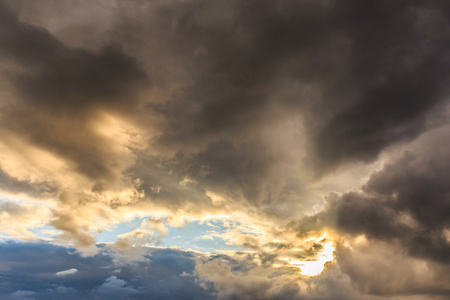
184, 274
66, 272
205, 237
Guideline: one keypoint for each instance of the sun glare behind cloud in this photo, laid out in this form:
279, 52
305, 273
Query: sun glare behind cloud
314, 267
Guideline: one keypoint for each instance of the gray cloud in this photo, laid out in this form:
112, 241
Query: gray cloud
406, 200
380, 268
114, 288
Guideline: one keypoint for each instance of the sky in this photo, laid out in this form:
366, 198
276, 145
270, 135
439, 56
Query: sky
225, 149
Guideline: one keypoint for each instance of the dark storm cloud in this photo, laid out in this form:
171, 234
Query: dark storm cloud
233, 170
377, 68
360, 77
57, 77
414, 186
391, 112
406, 202
240, 60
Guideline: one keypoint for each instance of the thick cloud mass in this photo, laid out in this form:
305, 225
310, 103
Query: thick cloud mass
315, 132
406, 200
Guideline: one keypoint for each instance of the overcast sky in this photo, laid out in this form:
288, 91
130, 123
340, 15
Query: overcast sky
225, 149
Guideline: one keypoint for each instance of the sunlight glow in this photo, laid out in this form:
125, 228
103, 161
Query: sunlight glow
314, 267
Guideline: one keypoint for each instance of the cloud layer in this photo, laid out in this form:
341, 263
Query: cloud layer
300, 125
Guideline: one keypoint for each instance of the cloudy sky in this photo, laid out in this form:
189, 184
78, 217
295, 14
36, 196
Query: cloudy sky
225, 149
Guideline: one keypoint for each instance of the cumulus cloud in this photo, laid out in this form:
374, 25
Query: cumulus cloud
67, 272
114, 288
